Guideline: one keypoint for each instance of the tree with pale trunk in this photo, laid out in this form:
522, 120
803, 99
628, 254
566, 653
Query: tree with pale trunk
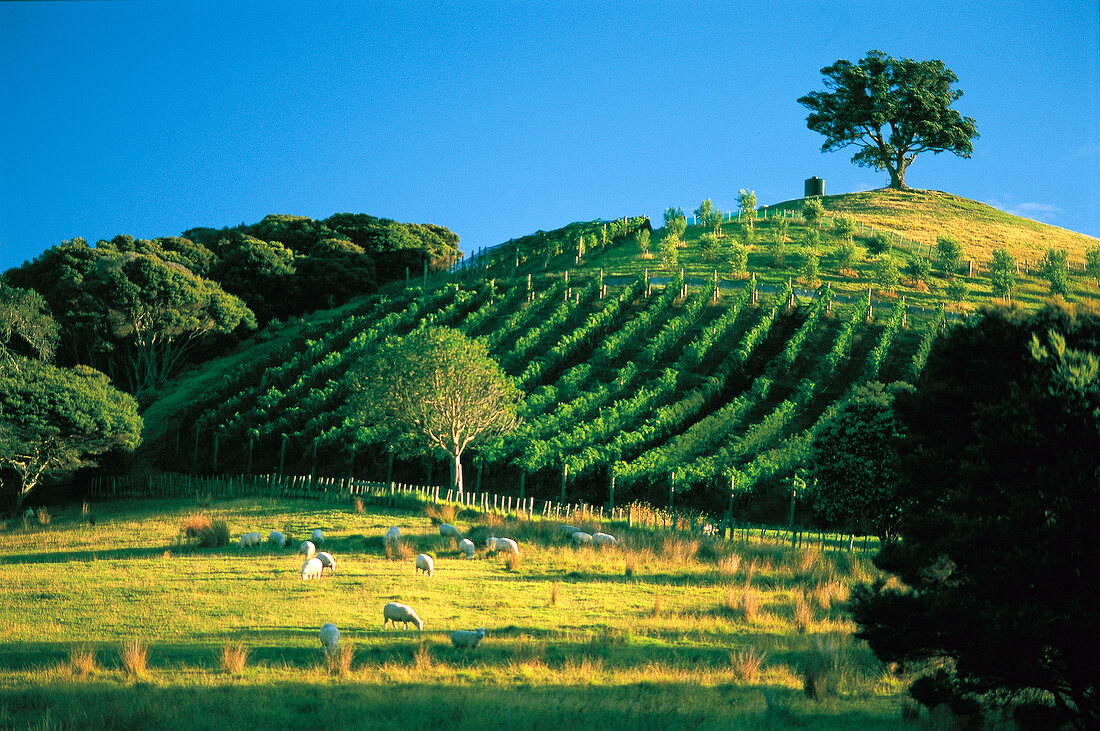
433, 390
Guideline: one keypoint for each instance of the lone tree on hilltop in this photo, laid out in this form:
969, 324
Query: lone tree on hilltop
892, 110
433, 390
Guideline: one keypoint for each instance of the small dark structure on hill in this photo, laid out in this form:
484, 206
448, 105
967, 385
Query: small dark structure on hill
814, 186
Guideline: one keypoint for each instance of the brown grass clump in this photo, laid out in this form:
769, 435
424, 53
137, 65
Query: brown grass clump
554, 592
657, 605
234, 657
134, 656
803, 614
747, 663
405, 551
729, 565
821, 668
422, 658
750, 604
441, 513
357, 505
512, 562
43, 516
339, 662
194, 524
82, 660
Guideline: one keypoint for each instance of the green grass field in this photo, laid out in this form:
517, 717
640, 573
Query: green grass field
665, 631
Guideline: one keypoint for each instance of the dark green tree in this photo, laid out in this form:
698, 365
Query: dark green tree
999, 552
891, 110
26, 326
54, 419
852, 463
437, 391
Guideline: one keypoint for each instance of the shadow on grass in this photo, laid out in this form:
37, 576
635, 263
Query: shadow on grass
324, 703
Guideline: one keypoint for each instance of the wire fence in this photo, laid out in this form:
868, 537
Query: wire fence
344, 491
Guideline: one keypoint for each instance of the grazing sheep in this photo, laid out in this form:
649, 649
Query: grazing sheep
318, 538
604, 539
467, 639
502, 544
393, 535
250, 539
277, 539
580, 538
396, 612
311, 568
330, 638
467, 547
327, 561
425, 563
446, 529
567, 530
307, 549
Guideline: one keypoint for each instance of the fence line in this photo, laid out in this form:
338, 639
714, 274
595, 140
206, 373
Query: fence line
345, 490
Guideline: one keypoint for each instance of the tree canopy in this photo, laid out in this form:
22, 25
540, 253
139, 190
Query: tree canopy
891, 110
433, 390
53, 419
25, 326
999, 553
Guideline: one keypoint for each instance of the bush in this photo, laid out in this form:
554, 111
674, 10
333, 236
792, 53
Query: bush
879, 244
214, 535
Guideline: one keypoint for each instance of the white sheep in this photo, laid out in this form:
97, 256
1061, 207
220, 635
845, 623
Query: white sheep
250, 539
604, 539
327, 561
502, 544
567, 530
396, 612
580, 538
330, 638
446, 529
467, 547
392, 537
307, 549
425, 563
318, 538
467, 639
277, 539
311, 568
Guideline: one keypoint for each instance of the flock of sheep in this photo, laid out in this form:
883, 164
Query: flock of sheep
316, 562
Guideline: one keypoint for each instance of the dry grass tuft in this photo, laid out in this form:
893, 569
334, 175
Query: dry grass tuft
657, 605
803, 614
422, 658
216, 535
43, 516
554, 592
512, 562
82, 660
821, 667
357, 505
193, 525
750, 604
747, 663
134, 656
405, 551
729, 565
234, 657
442, 513
339, 662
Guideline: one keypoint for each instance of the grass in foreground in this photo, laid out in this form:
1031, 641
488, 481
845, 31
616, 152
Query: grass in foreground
231, 635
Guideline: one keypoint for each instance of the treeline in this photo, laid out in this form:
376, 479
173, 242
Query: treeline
138, 309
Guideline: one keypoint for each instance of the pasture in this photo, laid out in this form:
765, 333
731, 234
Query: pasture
666, 631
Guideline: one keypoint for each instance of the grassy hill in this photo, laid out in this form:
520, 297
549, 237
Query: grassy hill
922, 215
671, 385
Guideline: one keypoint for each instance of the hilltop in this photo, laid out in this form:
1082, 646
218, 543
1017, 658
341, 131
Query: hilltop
922, 215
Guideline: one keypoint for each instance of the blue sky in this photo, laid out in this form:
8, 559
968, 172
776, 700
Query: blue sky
497, 119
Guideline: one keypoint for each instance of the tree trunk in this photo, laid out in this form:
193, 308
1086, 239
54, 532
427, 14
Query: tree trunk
457, 473
897, 177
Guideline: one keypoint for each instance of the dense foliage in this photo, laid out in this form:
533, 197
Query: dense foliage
998, 477
890, 110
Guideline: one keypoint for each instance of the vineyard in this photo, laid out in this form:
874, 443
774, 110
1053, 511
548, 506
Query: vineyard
675, 392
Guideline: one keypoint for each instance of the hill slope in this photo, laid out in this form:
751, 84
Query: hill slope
922, 215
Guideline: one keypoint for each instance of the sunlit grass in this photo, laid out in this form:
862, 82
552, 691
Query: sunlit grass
563, 619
